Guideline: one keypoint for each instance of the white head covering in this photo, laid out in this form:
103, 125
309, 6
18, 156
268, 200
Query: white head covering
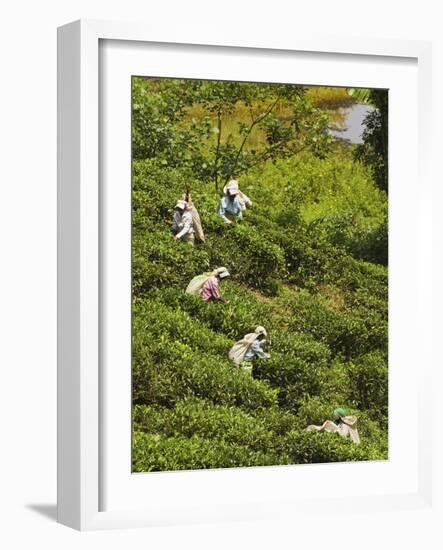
181, 204
260, 330
222, 272
231, 187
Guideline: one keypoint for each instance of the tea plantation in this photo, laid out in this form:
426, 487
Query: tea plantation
309, 263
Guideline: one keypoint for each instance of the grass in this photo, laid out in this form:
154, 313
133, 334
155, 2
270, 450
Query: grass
327, 97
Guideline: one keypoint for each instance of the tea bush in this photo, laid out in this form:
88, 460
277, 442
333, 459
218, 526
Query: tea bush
154, 452
156, 263
369, 385
269, 437
166, 369
311, 447
195, 417
241, 315
253, 259
352, 331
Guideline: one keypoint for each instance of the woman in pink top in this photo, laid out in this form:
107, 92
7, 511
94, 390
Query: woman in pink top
211, 288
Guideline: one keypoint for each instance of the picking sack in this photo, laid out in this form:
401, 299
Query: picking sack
197, 224
196, 284
239, 349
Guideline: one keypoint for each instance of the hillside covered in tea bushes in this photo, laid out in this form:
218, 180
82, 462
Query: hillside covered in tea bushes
308, 262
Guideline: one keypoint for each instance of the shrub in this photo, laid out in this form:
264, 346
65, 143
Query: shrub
369, 385
156, 263
240, 316
166, 370
353, 275
295, 367
351, 332
311, 447
153, 452
253, 259
153, 321
196, 417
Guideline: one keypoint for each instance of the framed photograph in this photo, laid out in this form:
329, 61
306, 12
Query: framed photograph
243, 271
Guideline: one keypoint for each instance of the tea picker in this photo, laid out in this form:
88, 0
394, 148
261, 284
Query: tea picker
196, 220
244, 200
344, 425
183, 225
233, 203
207, 285
250, 347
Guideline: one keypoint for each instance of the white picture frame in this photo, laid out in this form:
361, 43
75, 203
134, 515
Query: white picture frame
81, 435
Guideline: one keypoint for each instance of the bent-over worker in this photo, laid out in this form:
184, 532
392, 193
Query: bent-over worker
210, 289
344, 425
249, 348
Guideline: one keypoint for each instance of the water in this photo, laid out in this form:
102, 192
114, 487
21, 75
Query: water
351, 127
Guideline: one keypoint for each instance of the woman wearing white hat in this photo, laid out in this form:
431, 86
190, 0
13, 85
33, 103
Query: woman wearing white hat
210, 289
244, 200
233, 202
248, 348
183, 225
199, 234
207, 285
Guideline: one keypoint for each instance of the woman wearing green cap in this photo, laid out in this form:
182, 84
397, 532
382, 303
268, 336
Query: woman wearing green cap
344, 425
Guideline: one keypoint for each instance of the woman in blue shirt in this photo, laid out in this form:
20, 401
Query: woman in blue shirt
233, 202
250, 347
230, 204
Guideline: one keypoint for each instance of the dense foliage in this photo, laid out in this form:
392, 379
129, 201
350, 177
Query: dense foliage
308, 262
222, 129
374, 149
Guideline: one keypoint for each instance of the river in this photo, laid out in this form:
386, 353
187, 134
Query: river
351, 126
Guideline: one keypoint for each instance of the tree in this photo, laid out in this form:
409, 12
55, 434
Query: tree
374, 150
280, 115
239, 125
159, 107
